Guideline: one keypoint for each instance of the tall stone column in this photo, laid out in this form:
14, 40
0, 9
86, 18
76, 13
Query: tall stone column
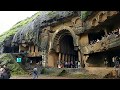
71, 57
105, 32
85, 58
63, 57
44, 58
74, 58
59, 58
30, 49
80, 58
68, 57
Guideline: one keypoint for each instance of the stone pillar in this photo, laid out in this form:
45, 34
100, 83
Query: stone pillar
80, 58
59, 58
30, 49
68, 57
85, 59
105, 32
63, 56
71, 57
44, 58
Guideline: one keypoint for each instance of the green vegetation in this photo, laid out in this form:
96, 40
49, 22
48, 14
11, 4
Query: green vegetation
64, 72
17, 26
52, 14
84, 14
44, 71
84, 76
10, 62
8, 59
47, 71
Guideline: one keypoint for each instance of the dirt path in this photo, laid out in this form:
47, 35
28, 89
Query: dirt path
40, 77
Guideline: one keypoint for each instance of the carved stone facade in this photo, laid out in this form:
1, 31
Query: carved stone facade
102, 30
70, 40
98, 22
58, 33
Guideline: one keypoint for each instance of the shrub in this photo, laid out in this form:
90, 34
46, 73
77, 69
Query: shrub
64, 72
47, 71
43, 71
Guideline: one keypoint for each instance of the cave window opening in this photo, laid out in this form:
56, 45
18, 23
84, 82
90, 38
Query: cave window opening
35, 60
98, 59
96, 36
11, 49
15, 49
113, 54
113, 31
7, 49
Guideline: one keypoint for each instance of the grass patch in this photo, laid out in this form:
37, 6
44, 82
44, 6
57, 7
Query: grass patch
84, 76
47, 71
43, 71
63, 73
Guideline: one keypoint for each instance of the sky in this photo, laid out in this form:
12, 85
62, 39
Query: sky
10, 18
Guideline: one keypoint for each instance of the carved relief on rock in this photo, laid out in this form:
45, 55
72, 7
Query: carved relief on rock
77, 24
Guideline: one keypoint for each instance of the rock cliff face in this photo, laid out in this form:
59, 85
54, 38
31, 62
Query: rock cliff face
7, 37
31, 28
6, 46
32, 31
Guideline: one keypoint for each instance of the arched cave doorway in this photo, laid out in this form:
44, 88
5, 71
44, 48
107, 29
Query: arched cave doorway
67, 54
63, 48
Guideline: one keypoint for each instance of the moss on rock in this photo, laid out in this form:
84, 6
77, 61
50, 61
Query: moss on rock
18, 26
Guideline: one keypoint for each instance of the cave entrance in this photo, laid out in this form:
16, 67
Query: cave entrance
111, 54
9, 49
67, 55
15, 49
35, 61
98, 59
